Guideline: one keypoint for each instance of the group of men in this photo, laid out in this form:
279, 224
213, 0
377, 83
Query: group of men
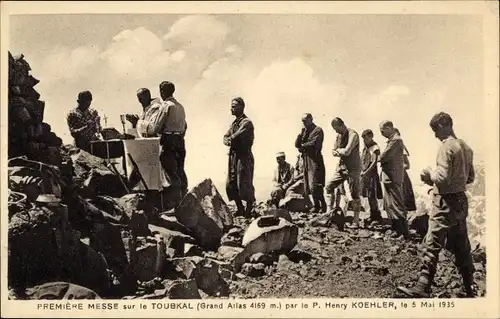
162, 117
454, 170
356, 175
447, 227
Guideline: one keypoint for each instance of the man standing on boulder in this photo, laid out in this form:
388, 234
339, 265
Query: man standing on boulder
239, 138
447, 220
349, 168
392, 164
282, 175
310, 143
84, 122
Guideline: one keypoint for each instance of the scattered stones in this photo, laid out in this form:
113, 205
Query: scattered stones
228, 253
297, 255
261, 258
253, 270
363, 233
192, 250
181, 289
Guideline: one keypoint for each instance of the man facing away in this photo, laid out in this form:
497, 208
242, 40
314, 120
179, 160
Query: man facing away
349, 168
282, 175
239, 138
310, 143
84, 122
392, 164
370, 182
447, 220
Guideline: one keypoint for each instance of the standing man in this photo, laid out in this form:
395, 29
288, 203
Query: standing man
447, 221
392, 164
370, 182
173, 155
150, 109
239, 138
310, 143
349, 168
84, 122
166, 119
282, 176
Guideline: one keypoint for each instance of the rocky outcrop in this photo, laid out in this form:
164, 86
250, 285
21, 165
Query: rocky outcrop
205, 214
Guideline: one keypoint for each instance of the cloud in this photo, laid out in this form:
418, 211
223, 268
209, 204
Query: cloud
67, 64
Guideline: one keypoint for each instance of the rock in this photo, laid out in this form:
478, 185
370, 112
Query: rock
148, 259
205, 214
236, 232
111, 206
204, 271
279, 213
284, 264
103, 182
265, 235
228, 253
346, 259
310, 245
60, 291
181, 289
192, 250
297, 255
260, 258
479, 267
419, 221
363, 233
107, 239
229, 240
94, 273
479, 255
171, 222
138, 224
172, 239
253, 270
395, 249
131, 203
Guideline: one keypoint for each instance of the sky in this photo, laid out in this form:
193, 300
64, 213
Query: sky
362, 68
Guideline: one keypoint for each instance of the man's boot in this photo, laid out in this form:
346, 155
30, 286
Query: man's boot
420, 290
405, 229
468, 281
240, 208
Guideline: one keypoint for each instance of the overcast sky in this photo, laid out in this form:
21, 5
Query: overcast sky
362, 68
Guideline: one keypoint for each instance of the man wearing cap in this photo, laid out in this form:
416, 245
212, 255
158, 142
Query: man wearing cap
346, 147
448, 218
392, 164
310, 143
282, 176
239, 138
84, 122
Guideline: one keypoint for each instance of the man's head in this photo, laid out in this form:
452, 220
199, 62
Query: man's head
387, 129
280, 158
338, 125
167, 89
144, 96
367, 136
397, 131
442, 125
237, 106
307, 120
84, 100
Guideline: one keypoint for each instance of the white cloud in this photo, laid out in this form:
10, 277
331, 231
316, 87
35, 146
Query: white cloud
68, 64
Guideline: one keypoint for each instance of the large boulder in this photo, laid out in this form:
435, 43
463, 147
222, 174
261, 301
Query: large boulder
205, 214
131, 203
173, 239
43, 247
148, 259
103, 182
267, 234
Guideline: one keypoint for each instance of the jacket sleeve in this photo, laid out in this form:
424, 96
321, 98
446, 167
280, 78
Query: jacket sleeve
441, 174
245, 127
393, 147
315, 140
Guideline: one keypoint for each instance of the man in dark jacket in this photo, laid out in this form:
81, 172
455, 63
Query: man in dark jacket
239, 138
310, 143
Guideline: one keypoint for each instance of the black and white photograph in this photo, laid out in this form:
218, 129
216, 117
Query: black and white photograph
233, 157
